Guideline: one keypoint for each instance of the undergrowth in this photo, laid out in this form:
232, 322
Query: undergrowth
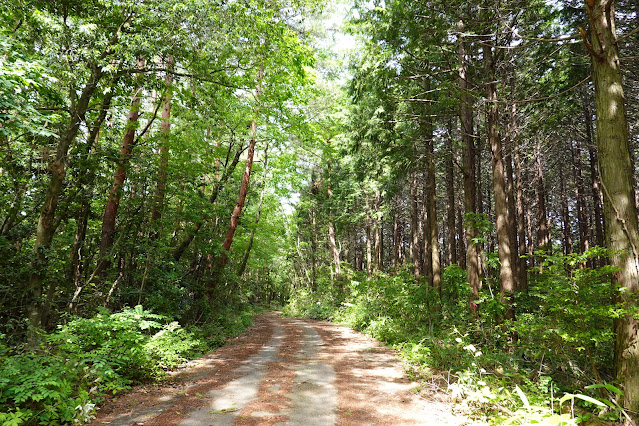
557, 370
88, 358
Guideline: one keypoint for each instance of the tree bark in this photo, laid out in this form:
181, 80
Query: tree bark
499, 187
369, 236
620, 212
331, 228
582, 219
165, 134
521, 233
84, 183
47, 220
247, 253
237, 210
377, 226
113, 202
450, 197
510, 191
414, 227
543, 231
468, 160
431, 205
597, 196
565, 216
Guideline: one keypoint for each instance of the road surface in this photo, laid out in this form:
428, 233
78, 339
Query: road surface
285, 371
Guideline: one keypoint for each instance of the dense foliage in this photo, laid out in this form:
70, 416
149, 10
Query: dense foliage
460, 185
87, 359
564, 334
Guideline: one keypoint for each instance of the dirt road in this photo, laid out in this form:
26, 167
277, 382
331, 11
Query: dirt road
285, 371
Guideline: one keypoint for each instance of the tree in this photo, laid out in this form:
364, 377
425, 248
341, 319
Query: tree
620, 212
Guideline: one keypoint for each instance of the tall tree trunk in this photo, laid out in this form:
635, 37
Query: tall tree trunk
470, 191
620, 212
113, 202
594, 178
461, 230
511, 130
397, 239
247, 253
565, 216
165, 134
369, 236
521, 233
530, 248
543, 231
431, 205
244, 187
582, 219
47, 220
499, 188
331, 228
377, 226
314, 249
450, 198
85, 185
414, 227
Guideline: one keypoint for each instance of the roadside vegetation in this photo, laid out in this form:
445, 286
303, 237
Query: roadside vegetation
551, 366
88, 360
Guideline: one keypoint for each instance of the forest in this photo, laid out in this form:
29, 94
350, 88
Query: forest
456, 179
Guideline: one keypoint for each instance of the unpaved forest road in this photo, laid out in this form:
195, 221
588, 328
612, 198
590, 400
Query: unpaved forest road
285, 371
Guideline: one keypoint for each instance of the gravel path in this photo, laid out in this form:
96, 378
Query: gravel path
285, 371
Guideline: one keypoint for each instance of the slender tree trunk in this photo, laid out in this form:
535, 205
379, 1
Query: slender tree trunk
510, 191
86, 190
597, 196
436, 277
470, 192
543, 231
620, 212
425, 251
477, 157
314, 249
217, 187
499, 188
165, 134
247, 253
331, 228
582, 219
397, 239
468, 160
377, 226
481, 206
565, 216
47, 220
237, 210
521, 233
461, 233
113, 202
369, 235
450, 196
414, 227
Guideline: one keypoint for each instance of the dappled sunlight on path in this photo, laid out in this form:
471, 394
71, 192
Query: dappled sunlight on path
286, 371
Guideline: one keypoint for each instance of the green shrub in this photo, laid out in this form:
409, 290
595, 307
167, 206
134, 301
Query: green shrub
44, 386
89, 357
113, 343
173, 345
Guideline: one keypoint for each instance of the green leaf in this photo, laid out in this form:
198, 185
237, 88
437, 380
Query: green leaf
523, 397
590, 399
614, 389
566, 397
